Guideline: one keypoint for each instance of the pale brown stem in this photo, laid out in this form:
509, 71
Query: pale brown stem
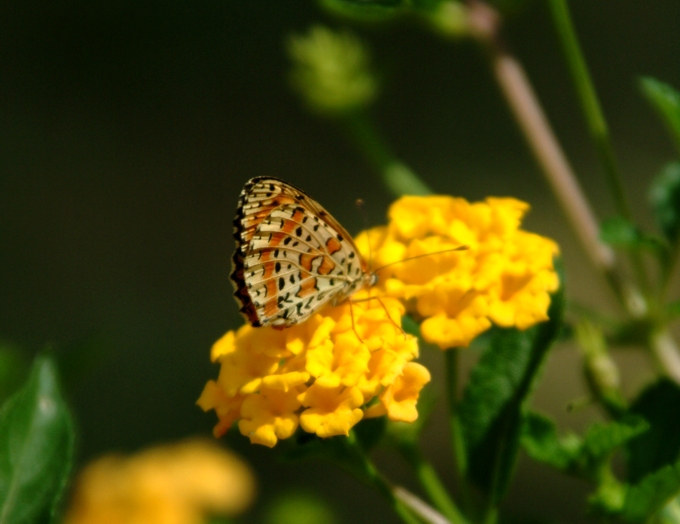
523, 103
419, 507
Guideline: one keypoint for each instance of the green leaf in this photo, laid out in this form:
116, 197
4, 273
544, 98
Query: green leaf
619, 232
651, 494
664, 197
540, 441
36, 447
410, 326
660, 446
666, 101
499, 386
581, 457
602, 439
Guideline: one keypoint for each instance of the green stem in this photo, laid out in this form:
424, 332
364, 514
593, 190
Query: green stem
601, 372
399, 507
451, 356
396, 175
361, 466
432, 485
595, 120
590, 104
533, 123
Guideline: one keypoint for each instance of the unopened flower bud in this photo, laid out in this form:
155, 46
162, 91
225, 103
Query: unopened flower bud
450, 18
331, 70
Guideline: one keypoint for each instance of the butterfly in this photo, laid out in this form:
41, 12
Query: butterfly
292, 257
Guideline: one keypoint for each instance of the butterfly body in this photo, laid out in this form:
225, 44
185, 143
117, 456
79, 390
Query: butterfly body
292, 257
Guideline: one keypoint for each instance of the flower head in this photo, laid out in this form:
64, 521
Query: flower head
319, 375
330, 69
173, 484
505, 275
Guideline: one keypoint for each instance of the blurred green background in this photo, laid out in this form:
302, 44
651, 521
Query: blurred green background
127, 130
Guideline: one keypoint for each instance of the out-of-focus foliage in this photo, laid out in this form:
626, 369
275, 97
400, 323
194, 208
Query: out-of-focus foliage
36, 447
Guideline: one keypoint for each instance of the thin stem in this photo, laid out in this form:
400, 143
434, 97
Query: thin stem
432, 485
396, 175
594, 117
384, 487
590, 103
418, 507
601, 372
359, 464
451, 357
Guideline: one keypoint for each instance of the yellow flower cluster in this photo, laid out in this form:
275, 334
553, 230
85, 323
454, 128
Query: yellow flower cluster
505, 276
174, 484
344, 363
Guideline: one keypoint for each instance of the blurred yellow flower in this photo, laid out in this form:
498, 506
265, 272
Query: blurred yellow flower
505, 276
173, 484
319, 374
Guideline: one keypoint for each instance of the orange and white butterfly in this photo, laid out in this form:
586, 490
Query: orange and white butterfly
292, 257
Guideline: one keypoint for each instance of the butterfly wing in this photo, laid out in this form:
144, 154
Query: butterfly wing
291, 255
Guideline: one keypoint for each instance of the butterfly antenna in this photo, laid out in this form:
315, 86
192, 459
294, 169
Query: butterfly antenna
364, 219
459, 248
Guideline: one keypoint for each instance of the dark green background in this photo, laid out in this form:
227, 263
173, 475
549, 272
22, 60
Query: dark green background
127, 130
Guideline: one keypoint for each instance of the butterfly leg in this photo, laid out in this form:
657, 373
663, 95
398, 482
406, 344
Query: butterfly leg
390, 317
351, 314
383, 306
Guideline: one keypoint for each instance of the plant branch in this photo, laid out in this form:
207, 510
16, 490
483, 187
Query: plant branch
373, 477
590, 103
432, 485
419, 507
515, 86
597, 125
556, 168
458, 447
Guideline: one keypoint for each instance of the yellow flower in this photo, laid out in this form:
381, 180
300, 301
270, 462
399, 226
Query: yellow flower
172, 484
331, 411
319, 374
269, 415
504, 276
399, 400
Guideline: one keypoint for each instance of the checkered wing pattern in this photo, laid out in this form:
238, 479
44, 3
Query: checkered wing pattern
291, 257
